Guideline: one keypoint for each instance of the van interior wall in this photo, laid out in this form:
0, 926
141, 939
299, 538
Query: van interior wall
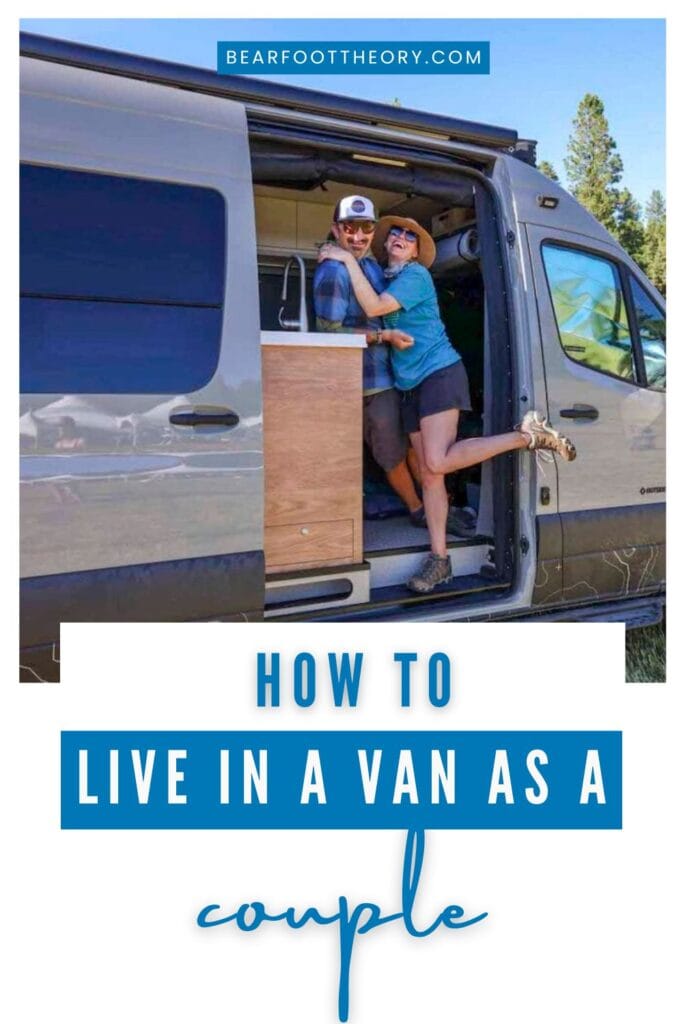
295, 195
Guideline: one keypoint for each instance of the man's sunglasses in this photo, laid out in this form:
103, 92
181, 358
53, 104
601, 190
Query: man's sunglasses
410, 236
350, 227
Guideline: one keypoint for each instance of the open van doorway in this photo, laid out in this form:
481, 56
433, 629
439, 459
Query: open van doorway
293, 217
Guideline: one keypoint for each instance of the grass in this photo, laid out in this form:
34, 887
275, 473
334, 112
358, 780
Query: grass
646, 654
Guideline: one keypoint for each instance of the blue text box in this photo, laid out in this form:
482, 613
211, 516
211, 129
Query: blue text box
353, 58
460, 799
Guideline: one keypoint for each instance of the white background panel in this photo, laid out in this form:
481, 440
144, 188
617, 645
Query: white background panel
576, 924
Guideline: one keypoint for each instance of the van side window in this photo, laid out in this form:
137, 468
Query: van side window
652, 330
590, 311
122, 283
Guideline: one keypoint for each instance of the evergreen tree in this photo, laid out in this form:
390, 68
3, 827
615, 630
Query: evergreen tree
655, 208
593, 165
629, 228
654, 242
548, 169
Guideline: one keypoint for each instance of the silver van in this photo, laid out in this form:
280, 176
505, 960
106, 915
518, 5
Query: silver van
191, 447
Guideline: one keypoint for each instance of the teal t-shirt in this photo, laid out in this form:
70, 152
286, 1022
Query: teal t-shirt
419, 316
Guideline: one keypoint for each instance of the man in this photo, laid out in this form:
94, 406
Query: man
336, 309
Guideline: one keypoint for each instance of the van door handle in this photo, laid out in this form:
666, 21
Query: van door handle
211, 416
580, 412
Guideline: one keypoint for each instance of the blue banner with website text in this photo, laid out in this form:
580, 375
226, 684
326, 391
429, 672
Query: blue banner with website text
341, 780
354, 58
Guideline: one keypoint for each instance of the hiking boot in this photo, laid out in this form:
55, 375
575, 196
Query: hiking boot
462, 522
434, 570
542, 435
418, 517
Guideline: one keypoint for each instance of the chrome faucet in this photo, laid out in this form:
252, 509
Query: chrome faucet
302, 323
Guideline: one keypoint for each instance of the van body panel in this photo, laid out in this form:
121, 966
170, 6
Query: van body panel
527, 184
228, 587
214, 587
621, 453
601, 553
127, 487
600, 523
609, 499
549, 582
614, 552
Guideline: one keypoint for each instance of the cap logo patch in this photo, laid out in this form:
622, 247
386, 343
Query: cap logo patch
358, 205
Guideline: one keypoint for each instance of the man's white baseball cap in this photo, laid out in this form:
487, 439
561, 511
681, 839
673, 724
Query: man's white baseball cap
354, 208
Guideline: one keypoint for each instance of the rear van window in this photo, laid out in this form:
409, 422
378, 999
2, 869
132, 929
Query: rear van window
122, 283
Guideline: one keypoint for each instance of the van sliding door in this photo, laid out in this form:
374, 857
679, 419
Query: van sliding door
141, 430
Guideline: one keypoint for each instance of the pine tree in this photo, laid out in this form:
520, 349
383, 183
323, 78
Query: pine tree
654, 243
593, 165
629, 227
548, 169
655, 208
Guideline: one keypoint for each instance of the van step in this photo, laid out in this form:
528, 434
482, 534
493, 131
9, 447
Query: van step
397, 599
310, 590
391, 568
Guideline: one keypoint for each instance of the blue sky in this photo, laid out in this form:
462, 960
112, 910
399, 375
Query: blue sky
540, 71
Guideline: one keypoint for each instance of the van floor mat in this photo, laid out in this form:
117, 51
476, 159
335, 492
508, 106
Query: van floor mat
397, 534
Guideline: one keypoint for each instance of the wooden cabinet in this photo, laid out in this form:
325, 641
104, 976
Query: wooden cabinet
313, 449
309, 545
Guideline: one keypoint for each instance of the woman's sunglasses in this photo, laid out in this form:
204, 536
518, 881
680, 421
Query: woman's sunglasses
350, 227
410, 236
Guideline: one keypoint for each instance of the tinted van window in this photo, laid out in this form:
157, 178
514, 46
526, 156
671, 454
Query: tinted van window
591, 315
121, 283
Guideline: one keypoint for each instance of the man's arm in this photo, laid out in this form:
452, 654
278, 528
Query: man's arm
372, 304
331, 296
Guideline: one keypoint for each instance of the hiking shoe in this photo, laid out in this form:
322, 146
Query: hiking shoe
418, 517
462, 522
542, 435
434, 570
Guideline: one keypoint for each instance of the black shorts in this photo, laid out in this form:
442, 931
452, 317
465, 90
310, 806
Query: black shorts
442, 390
382, 428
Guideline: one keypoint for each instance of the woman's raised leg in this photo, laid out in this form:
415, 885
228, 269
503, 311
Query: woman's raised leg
442, 456
534, 432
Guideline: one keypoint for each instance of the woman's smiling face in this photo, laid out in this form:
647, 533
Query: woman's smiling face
401, 245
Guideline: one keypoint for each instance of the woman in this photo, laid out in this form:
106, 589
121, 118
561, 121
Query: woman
432, 378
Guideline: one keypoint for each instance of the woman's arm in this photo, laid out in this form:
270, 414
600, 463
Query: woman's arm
370, 302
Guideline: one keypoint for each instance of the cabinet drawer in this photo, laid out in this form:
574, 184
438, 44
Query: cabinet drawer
306, 545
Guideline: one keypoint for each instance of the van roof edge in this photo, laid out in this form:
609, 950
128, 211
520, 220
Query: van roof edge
239, 87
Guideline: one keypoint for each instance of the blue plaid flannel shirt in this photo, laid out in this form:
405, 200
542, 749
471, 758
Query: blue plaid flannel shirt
337, 308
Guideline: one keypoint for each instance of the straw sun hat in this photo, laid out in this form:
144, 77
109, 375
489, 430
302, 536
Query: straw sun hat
426, 250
